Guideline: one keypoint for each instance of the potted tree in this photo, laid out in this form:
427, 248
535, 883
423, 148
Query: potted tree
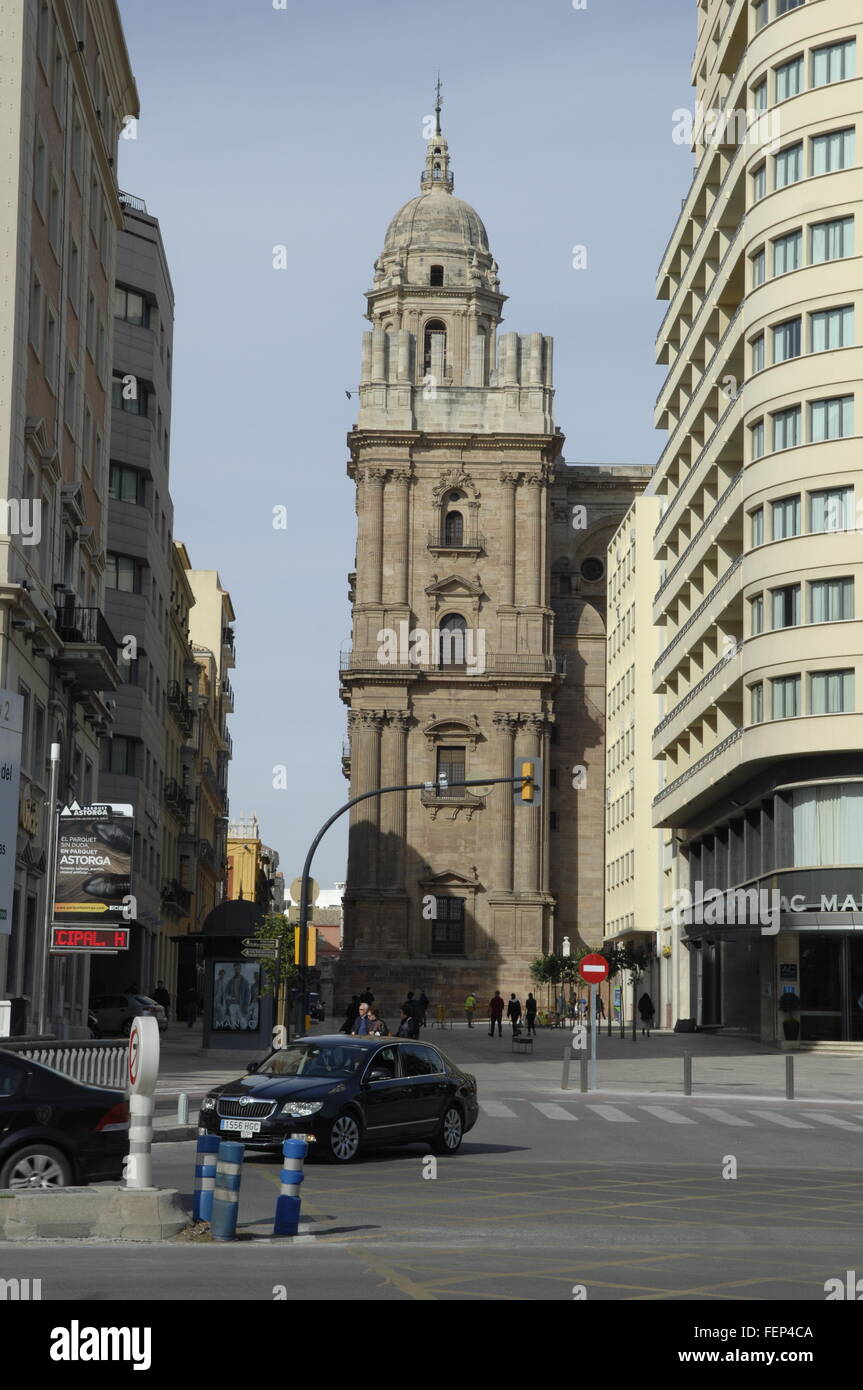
789, 1003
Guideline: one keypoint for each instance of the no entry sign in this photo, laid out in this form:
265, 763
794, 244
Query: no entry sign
593, 968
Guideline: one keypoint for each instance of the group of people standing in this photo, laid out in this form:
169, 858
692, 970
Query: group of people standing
362, 1017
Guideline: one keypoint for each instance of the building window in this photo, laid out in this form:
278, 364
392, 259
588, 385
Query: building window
436, 275
786, 340
786, 606
783, 6
834, 63
756, 440
54, 221
831, 692
434, 349
833, 240
760, 14
131, 307
756, 520
759, 183
70, 403
833, 151
831, 600
448, 927
832, 328
788, 166
831, 509
453, 529
756, 615
36, 314
126, 484
756, 703
131, 395
785, 515
119, 756
592, 569
786, 428
757, 346
452, 641
788, 253
759, 268
785, 697
40, 170
451, 767
759, 95
122, 572
789, 79
831, 419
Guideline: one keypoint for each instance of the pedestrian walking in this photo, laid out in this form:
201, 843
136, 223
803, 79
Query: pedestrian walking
191, 1006
495, 1014
530, 1013
377, 1026
513, 1013
423, 1005
367, 997
161, 996
412, 1006
469, 1007
361, 1022
408, 1025
350, 1014
647, 1011
600, 1007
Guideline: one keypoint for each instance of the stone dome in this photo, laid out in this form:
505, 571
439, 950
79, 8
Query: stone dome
436, 221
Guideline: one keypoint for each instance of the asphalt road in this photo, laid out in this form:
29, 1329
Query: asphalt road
622, 1198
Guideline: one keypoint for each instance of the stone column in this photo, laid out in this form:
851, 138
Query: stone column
398, 545
394, 806
501, 799
531, 576
528, 825
370, 526
509, 483
365, 726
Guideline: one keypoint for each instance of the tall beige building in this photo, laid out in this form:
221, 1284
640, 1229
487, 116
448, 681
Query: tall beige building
67, 85
478, 613
760, 483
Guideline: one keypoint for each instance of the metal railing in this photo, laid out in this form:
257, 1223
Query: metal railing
128, 200
228, 637
86, 626
700, 532
431, 796
514, 663
176, 798
696, 767
691, 694
693, 617
700, 457
683, 355
471, 540
92, 1061
174, 894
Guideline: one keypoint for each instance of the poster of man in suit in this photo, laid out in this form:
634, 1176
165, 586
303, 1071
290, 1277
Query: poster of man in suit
236, 991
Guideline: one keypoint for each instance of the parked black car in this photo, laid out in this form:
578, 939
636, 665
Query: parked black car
346, 1094
55, 1132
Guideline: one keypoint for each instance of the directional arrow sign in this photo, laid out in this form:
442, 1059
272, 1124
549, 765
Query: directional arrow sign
593, 968
259, 952
260, 941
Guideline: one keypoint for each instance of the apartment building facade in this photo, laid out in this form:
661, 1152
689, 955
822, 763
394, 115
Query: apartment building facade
141, 764
760, 483
68, 86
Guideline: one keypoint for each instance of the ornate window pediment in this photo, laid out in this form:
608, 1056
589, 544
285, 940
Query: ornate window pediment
452, 731
455, 585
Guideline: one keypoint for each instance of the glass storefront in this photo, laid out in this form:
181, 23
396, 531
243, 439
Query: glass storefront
831, 988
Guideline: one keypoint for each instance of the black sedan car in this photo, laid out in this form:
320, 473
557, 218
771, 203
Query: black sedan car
55, 1132
345, 1094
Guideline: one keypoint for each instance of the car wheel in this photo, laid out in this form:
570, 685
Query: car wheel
343, 1144
451, 1132
36, 1165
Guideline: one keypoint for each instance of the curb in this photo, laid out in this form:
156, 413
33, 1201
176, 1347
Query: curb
174, 1134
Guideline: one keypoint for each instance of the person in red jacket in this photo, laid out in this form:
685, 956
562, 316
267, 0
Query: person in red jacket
495, 1013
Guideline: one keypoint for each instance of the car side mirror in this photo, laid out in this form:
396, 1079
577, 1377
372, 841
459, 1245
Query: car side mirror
379, 1074
253, 1066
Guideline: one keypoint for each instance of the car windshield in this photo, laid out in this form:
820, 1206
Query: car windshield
312, 1059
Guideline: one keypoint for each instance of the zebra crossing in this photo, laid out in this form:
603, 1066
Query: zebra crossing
632, 1112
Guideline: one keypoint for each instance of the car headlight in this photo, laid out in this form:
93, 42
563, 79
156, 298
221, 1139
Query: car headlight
209, 1103
300, 1108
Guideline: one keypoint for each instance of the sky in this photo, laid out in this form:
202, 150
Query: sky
301, 126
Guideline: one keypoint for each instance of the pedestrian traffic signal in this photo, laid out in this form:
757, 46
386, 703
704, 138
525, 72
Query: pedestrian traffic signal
527, 789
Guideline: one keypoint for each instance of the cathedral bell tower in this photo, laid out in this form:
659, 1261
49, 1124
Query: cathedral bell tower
451, 673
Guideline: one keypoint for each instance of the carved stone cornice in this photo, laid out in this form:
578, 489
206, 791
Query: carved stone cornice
399, 719
511, 479
505, 723
535, 724
374, 477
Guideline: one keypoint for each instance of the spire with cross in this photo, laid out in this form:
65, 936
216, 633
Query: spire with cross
437, 175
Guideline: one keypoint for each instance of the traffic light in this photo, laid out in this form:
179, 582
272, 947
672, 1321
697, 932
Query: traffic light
311, 944
527, 790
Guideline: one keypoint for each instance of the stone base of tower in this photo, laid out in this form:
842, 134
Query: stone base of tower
446, 982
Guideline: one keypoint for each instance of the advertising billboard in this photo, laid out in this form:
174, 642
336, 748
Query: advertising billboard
94, 865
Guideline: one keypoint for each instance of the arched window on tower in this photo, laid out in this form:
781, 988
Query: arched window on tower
436, 171
453, 529
436, 275
452, 642
434, 349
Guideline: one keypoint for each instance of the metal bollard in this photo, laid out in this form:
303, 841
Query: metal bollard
567, 1056
687, 1073
182, 1109
205, 1177
226, 1193
789, 1077
584, 1060
287, 1221
139, 1170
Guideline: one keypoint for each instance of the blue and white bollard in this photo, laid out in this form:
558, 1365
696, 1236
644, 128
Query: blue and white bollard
287, 1221
205, 1176
226, 1193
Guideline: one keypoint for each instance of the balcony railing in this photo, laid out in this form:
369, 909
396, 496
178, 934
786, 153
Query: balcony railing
206, 852
128, 200
470, 540
723, 498
180, 706
691, 694
85, 626
694, 616
174, 895
697, 767
177, 799
228, 637
700, 457
432, 796
519, 663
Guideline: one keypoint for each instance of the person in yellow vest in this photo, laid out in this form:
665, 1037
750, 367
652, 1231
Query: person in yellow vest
469, 1006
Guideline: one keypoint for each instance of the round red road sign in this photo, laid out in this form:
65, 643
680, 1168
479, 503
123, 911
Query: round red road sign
134, 1055
593, 968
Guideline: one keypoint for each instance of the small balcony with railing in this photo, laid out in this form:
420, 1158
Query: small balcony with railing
89, 649
180, 706
176, 900
455, 535
227, 695
228, 651
177, 799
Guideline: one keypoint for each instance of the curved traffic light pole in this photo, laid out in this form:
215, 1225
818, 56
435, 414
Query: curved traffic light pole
526, 784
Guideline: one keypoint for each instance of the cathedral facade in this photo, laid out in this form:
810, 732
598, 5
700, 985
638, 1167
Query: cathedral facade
478, 634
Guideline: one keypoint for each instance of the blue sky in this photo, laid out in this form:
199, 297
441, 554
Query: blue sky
303, 127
